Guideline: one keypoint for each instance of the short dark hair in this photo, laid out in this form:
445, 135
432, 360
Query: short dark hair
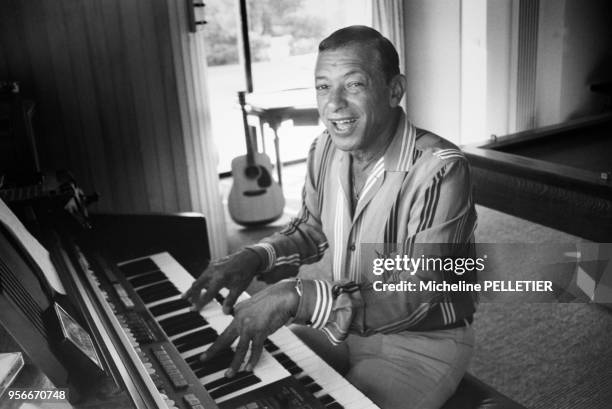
389, 60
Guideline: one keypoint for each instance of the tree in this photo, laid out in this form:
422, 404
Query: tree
267, 19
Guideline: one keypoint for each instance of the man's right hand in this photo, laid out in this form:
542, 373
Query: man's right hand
234, 272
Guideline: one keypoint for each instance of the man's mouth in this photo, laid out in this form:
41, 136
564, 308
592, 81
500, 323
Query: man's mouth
344, 125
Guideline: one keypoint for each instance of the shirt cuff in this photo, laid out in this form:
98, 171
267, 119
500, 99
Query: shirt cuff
315, 303
266, 254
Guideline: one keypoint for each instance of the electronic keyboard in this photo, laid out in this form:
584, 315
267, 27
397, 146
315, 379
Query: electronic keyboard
288, 373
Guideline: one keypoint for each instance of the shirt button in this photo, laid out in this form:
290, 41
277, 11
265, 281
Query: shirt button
352, 247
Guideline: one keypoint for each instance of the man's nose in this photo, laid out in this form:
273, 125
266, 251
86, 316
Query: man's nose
336, 99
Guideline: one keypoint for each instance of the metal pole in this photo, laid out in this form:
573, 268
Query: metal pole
246, 48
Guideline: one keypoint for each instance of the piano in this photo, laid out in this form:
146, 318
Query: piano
123, 278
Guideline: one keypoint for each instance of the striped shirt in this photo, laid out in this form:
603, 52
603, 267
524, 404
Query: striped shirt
417, 200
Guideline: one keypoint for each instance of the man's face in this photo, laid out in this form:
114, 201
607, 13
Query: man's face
353, 97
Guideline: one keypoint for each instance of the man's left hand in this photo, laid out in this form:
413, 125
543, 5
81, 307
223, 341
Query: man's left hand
254, 320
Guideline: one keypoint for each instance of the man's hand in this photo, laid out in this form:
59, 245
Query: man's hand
233, 272
254, 320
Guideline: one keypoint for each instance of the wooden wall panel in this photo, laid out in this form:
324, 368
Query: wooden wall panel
118, 88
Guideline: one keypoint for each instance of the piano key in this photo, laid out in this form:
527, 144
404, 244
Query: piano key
193, 339
306, 380
157, 291
224, 380
325, 399
294, 370
283, 358
270, 346
194, 360
218, 363
182, 328
266, 367
153, 303
213, 377
163, 286
146, 279
137, 267
195, 352
196, 363
313, 388
235, 386
182, 322
169, 307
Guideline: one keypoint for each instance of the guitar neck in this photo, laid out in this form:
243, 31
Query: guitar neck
250, 155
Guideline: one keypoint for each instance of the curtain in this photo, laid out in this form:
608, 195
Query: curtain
388, 18
200, 152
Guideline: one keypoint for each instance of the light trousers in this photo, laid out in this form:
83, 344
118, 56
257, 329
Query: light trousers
407, 370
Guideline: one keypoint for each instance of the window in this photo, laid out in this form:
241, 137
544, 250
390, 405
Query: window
284, 35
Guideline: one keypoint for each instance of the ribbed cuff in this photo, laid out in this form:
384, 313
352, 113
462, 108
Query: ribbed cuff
315, 304
266, 254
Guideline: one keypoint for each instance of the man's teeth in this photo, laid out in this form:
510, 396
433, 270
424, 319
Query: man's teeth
343, 124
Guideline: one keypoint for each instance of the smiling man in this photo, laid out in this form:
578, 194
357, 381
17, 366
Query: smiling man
375, 185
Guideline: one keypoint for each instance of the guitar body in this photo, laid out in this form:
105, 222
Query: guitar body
255, 197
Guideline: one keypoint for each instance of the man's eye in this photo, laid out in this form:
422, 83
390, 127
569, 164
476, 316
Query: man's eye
355, 84
321, 87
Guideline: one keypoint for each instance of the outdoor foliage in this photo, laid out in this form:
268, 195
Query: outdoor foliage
270, 22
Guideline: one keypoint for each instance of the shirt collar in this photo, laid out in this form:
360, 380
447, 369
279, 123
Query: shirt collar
399, 153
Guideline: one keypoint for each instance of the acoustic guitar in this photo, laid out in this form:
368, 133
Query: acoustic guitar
255, 198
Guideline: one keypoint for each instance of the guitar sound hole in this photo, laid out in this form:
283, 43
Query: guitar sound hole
252, 172
264, 180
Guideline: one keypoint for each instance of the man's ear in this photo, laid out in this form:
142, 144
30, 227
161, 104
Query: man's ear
398, 87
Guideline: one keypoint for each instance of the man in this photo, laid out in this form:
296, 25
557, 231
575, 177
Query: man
375, 187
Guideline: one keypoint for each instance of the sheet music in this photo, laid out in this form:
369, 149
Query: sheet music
39, 254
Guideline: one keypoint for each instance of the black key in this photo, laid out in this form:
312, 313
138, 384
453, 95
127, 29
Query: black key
216, 364
195, 339
148, 278
294, 370
138, 267
334, 405
162, 285
203, 336
181, 327
220, 357
157, 291
314, 388
219, 298
283, 359
224, 381
182, 323
178, 318
270, 346
234, 386
326, 399
307, 380
169, 307
158, 295
195, 359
